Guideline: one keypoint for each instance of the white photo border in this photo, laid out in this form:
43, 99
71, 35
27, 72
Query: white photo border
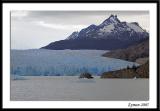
151, 7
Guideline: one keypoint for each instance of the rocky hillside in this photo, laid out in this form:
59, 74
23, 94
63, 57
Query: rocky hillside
138, 72
136, 53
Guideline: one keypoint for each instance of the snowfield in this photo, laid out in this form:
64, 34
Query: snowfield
70, 88
42, 62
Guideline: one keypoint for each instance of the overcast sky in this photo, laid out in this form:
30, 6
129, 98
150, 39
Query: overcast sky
34, 29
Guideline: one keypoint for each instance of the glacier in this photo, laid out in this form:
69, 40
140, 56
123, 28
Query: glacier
43, 62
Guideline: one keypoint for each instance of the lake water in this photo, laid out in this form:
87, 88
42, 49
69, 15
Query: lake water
42, 62
70, 88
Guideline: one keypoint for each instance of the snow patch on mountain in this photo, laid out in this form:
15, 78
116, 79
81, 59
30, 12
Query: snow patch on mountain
108, 28
135, 27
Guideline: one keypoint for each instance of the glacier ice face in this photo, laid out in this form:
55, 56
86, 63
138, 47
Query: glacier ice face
42, 62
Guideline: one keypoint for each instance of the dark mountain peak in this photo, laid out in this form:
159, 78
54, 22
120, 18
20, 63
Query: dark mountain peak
113, 19
113, 16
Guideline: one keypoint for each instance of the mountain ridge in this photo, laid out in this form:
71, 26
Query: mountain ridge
103, 36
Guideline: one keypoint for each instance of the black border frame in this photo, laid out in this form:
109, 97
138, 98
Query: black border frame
157, 2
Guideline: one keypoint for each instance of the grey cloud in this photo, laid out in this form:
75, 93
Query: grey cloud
81, 13
76, 17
